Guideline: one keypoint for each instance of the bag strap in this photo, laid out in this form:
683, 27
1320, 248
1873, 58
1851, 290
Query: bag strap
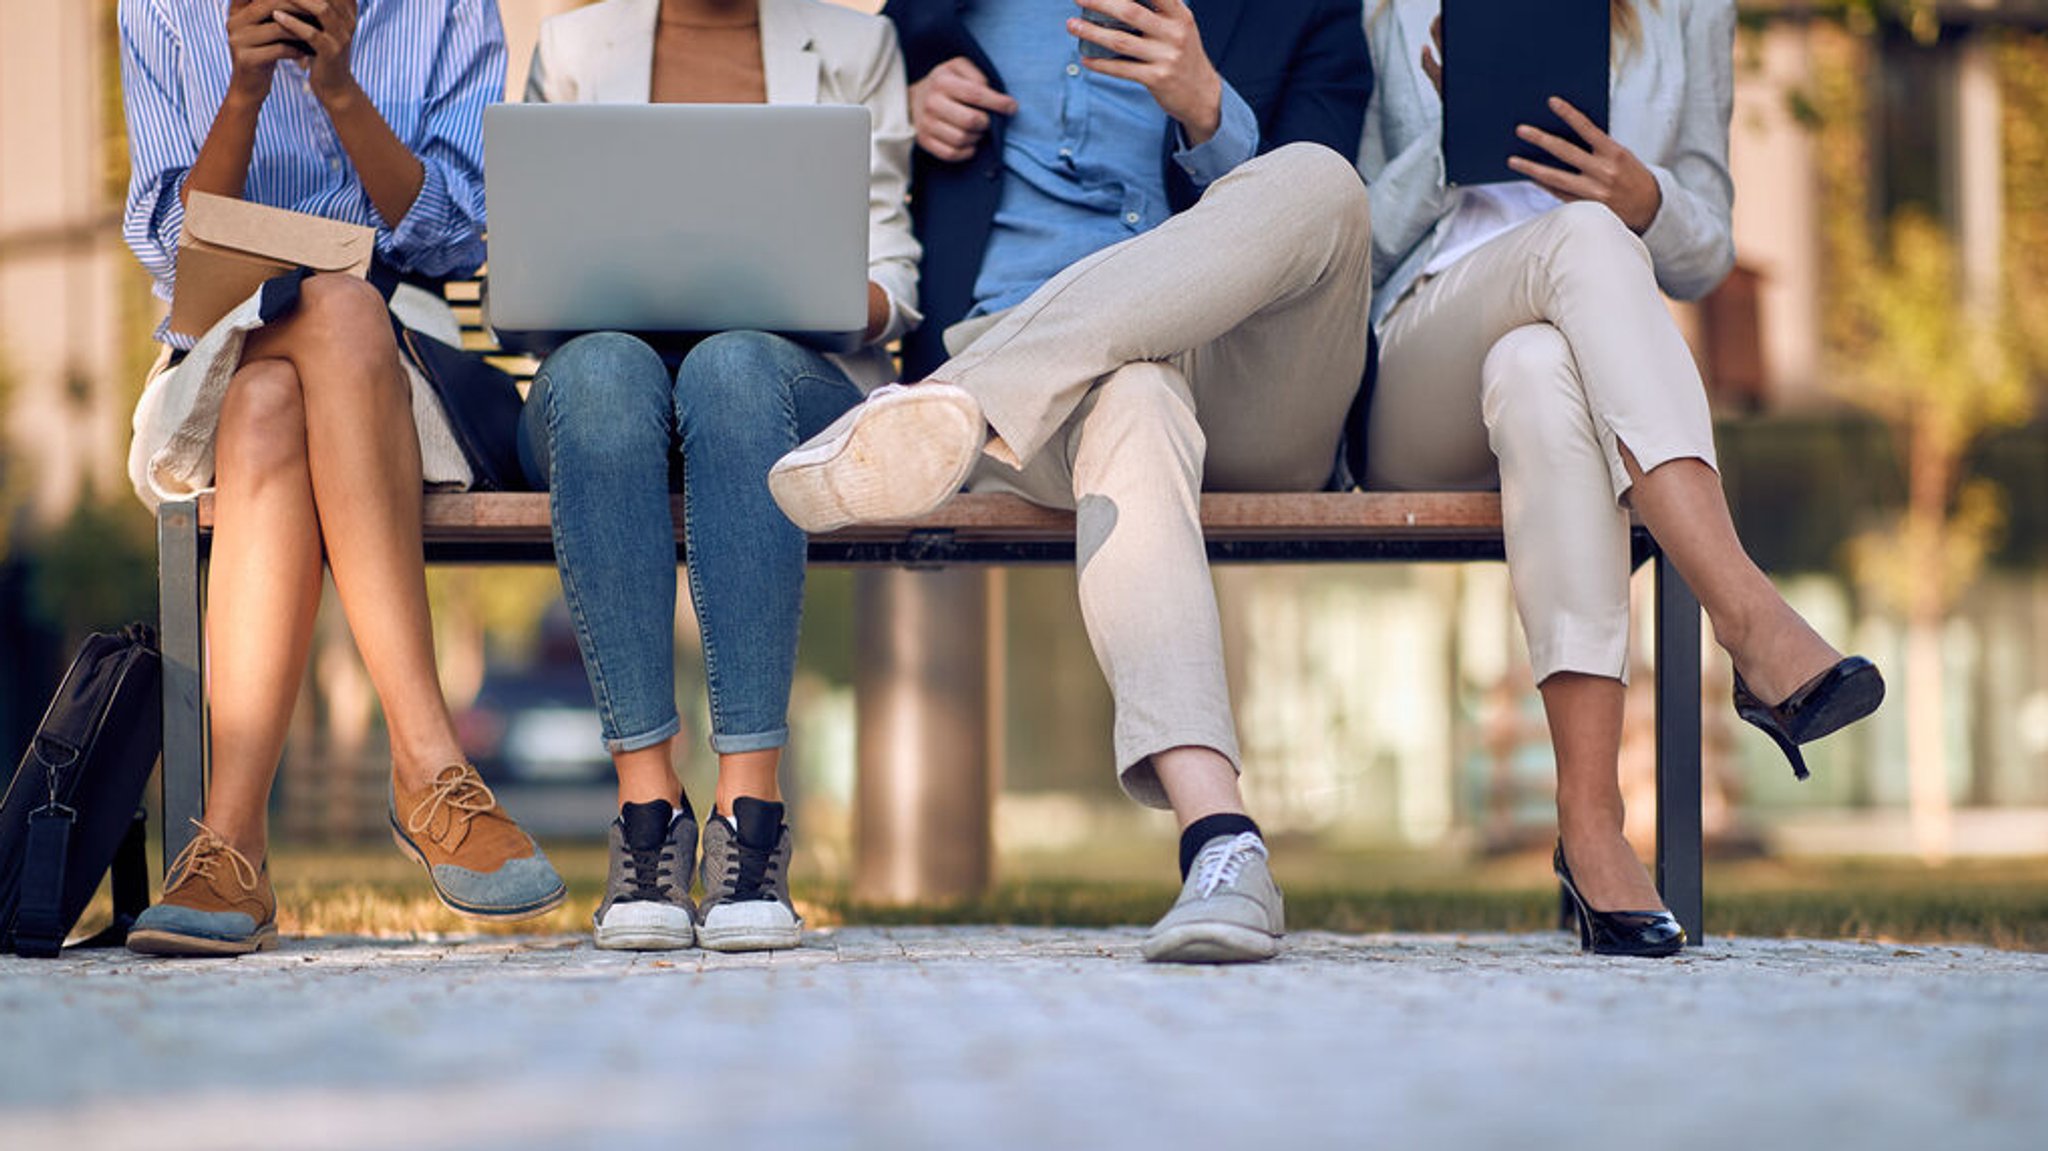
39, 923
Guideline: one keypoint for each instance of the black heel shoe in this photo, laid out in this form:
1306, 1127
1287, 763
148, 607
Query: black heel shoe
1827, 703
1647, 934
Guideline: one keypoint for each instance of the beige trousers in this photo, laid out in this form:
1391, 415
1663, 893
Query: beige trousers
1524, 366
1220, 350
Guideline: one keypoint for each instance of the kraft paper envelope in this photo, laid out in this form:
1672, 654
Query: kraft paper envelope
229, 247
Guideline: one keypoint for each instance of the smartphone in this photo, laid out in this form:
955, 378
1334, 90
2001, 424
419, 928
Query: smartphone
300, 46
1096, 51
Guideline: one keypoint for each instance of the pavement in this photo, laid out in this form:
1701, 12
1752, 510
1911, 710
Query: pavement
1006, 1037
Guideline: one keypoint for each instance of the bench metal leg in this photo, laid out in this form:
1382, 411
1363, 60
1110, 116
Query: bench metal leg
1679, 839
923, 797
179, 628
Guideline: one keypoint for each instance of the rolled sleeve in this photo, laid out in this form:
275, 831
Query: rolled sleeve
1236, 140
442, 233
160, 146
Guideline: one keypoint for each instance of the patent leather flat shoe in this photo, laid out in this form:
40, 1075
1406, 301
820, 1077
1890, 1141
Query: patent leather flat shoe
1646, 934
1825, 704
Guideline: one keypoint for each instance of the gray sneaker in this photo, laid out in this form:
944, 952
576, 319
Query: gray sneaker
746, 881
647, 894
1229, 910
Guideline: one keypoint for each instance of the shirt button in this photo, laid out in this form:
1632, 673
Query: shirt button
1131, 218
1073, 69
1066, 153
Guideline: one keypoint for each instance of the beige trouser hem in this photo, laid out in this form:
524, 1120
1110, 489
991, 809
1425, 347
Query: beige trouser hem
1220, 350
1525, 366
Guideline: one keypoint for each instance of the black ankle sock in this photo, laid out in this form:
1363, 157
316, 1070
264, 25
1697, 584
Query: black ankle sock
1207, 828
758, 822
644, 826
647, 824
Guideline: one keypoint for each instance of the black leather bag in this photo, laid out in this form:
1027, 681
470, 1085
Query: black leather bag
482, 403
74, 807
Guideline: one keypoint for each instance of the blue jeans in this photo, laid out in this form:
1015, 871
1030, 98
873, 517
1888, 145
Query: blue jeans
601, 429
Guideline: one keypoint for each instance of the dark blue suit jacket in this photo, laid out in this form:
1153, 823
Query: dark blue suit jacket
1300, 64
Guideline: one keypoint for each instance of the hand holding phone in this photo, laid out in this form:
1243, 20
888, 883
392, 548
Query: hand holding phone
302, 47
1162, 51
1095, 51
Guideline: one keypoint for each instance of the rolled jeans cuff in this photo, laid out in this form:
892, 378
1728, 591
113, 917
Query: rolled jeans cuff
750, 741
654, 738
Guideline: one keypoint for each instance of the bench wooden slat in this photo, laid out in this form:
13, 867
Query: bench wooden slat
1226, 516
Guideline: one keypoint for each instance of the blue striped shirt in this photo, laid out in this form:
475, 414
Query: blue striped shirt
429, 67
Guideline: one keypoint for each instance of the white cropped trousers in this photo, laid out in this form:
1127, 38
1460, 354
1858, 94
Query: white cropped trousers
1526, 365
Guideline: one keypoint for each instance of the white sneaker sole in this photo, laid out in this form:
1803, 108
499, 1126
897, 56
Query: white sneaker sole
640, 938
749, 927
1210, 943
750, 938
905, 454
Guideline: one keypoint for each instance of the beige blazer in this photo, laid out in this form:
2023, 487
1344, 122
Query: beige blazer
1671, 99
812, 53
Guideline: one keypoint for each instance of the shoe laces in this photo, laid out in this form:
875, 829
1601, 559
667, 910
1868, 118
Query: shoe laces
645, 879
750, 873
1220, 864
459, 791
202, 859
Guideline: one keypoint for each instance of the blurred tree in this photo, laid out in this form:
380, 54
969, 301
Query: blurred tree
96, 570
1940, 372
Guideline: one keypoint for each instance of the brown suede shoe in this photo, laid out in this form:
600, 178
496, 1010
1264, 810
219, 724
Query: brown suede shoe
215, 903
481, 864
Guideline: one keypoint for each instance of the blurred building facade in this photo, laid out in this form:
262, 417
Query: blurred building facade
1379, 706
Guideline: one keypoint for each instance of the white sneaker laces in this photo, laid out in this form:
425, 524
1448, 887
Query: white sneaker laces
1221, 863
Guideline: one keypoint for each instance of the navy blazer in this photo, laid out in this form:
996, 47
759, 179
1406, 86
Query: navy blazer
1302, 65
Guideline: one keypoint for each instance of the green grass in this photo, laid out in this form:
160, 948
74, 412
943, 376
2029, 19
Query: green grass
2002, 904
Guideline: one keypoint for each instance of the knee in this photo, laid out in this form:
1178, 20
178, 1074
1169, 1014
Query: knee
344, 310
1590, 230
604, 391
1530, 387
1323, 184
262, 421
736, 378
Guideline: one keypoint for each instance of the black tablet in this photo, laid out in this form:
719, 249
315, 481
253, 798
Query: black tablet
1503, 60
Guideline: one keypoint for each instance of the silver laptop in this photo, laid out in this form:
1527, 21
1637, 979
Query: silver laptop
672, 219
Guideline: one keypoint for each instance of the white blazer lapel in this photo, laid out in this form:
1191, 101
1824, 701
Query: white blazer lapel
789, 56
622, 58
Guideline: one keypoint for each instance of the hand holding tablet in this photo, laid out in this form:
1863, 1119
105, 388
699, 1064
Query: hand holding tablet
1602, 171
1496, 63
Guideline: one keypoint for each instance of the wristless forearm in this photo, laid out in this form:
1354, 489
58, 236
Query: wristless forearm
222, 166
391, 174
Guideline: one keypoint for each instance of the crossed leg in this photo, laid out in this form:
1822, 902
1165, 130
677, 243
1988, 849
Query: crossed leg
316, 446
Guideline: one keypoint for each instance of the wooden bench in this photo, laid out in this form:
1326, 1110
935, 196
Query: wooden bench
996, 529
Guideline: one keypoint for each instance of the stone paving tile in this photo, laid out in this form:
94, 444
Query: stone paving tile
1019, 1037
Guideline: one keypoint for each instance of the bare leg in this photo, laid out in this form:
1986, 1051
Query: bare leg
365, 467
1199, 782
648, 774
1585, 713
1683, 505
753, 774
264, 585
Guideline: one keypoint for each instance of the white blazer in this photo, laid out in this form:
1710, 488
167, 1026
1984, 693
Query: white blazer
812, 53
1670, 104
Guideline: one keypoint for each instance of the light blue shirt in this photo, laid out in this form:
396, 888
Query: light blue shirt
429, 66
1081, 157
